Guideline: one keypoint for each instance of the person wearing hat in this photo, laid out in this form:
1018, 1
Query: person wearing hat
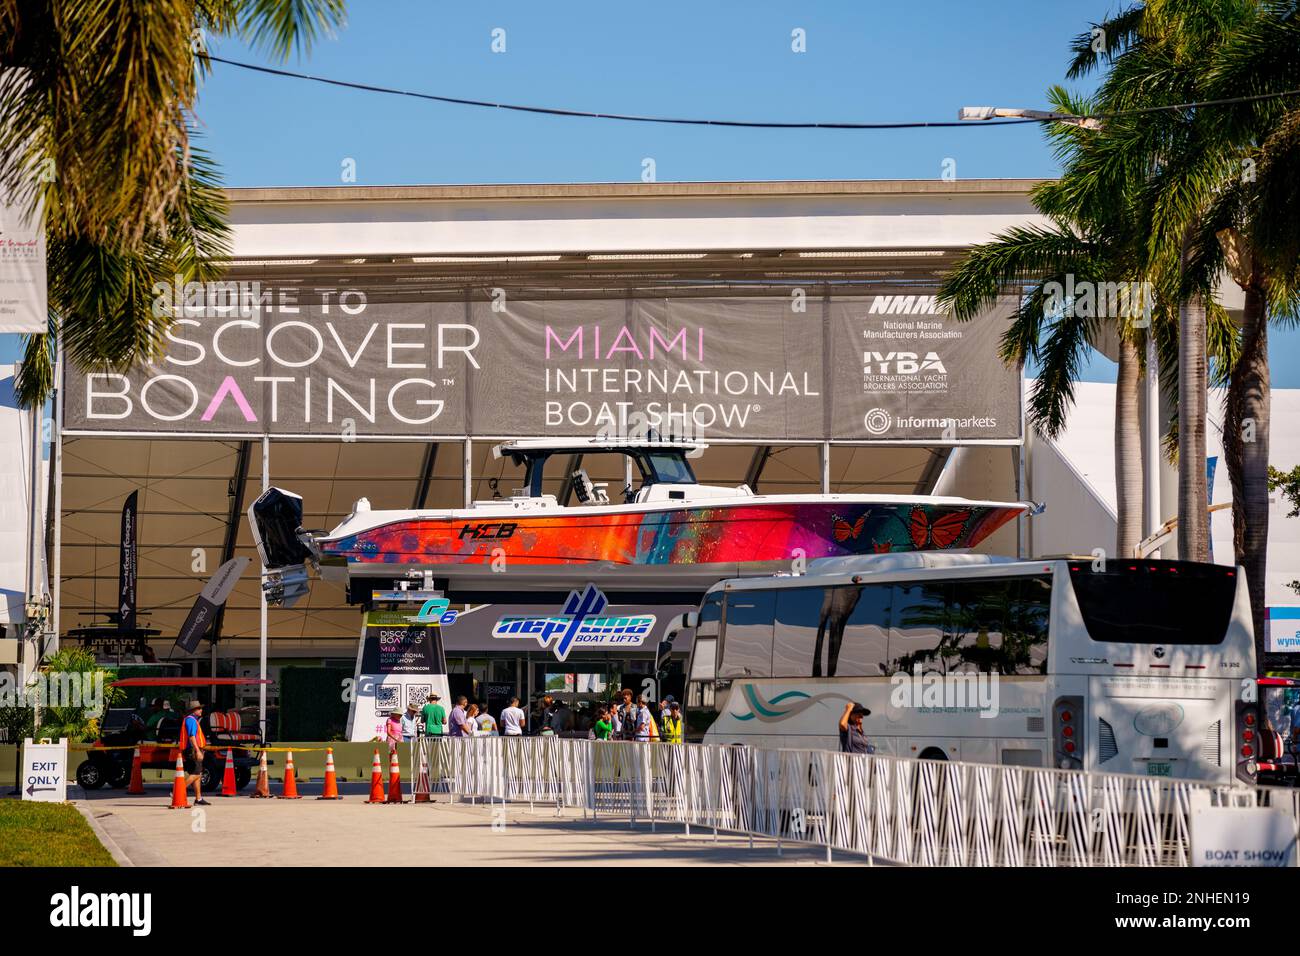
672, 723
393, 730
157, 711
435, 717
410, 723
191, 746
852, 738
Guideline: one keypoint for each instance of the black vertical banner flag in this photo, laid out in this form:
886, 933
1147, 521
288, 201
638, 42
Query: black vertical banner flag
126, 570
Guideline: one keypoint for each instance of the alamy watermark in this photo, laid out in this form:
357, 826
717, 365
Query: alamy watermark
83, 689
958, 693
1086, 299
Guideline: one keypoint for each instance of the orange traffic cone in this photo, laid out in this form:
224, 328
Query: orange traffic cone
422, 787
290, 791
263, 779
376, 781
228, 777
394, 780
179, 801
137, 774
331, 791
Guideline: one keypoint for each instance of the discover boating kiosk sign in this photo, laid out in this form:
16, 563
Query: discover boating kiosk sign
400, 661
304, 362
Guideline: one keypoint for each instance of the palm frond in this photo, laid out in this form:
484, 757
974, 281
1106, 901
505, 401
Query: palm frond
282, 27
1091, 49
1066, 344
1020, 256
35, 378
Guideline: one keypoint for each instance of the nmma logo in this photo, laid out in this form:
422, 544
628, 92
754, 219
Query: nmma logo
905, 305
77, 909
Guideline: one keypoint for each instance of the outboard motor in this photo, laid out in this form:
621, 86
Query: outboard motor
282, 544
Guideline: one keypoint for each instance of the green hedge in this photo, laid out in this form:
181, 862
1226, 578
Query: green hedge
311, 703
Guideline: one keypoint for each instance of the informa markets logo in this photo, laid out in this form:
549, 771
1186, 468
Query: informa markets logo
877, 421
578, 625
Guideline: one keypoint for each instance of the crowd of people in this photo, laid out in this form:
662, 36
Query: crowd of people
626, 716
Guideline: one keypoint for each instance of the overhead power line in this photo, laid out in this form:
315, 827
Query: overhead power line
745, 124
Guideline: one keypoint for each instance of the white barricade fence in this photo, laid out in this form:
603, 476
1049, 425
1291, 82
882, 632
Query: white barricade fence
899, 810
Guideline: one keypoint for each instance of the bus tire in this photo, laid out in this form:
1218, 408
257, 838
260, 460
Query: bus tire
933, 753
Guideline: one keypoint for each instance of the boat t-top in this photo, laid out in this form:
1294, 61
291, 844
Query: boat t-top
669, 533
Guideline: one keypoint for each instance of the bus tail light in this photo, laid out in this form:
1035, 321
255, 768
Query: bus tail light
1247, 727
1067, 733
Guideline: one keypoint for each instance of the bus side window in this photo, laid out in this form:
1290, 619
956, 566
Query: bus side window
747, 644
710, 615
1026, 629
831, 632
794, 640
865, 652
919, 626
977, 611
704, 663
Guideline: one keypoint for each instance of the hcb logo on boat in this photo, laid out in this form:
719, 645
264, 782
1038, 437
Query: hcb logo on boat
577, 625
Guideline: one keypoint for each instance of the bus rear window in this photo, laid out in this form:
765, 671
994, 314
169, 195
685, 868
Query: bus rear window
1155, 602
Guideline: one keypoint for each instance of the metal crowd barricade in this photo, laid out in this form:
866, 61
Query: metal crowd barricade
894, 809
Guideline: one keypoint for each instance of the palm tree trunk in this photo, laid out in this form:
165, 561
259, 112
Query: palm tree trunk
1245, 451
1193, 378
1128, 452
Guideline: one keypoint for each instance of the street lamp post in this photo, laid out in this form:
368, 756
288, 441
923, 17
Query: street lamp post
998, 112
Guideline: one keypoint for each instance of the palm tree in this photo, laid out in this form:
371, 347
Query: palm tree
96, 108
1225, 199
1090, 245
1252, 232
1156, 54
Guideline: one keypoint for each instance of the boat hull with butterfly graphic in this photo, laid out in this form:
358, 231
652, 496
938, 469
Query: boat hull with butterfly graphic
666, 535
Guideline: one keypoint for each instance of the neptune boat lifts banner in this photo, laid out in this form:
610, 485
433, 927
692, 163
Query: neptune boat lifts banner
299, 362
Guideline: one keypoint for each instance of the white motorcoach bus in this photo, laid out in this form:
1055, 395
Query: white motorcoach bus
1131, 666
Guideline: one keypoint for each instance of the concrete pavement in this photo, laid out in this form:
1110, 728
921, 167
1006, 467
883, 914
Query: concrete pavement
240, 831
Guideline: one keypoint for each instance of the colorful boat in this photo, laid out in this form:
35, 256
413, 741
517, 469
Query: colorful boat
669, 533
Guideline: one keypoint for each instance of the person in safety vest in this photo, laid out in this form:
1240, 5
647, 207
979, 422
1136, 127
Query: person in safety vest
672, 724
191, 745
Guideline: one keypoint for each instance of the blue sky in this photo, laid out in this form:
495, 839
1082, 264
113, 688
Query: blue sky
868, 60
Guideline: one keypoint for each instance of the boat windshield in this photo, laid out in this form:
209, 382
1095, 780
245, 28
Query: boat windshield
670, 468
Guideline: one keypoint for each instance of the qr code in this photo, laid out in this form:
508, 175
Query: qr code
388, 698
417, 694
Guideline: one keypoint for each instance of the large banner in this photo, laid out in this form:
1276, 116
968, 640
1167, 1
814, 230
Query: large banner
323, 363
24, 302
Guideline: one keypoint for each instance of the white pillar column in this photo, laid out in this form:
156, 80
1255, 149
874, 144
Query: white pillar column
261, 663
1151, 463
469, 477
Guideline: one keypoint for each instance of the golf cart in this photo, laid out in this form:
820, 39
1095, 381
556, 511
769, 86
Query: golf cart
123, 727
1278, 750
